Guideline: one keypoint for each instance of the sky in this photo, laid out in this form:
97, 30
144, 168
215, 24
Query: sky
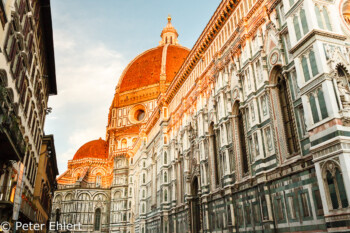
94, 41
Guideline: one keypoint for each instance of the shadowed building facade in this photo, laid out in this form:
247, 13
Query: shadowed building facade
27, 79
246, 132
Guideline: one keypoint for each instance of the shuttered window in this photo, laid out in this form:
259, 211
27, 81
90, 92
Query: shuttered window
341, 187
297, 27
313, 107
322, 103
319, 18
287, 117
313, 63
326, 18
303, 21
305, 69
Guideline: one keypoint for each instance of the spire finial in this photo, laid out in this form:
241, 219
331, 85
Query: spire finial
169, 18
169, 34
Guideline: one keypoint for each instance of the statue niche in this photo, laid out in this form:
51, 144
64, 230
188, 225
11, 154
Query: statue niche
343, 82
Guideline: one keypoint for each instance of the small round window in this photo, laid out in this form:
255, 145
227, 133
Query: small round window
137, 114
140, 115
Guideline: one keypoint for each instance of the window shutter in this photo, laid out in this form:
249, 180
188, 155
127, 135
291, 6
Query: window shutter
341, 188
303, 21
332, 191
318, 16
297, 28
313, 63
326, 18
305, 69
322, 103
314, 109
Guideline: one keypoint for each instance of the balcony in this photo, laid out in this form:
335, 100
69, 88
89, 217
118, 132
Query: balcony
12, 145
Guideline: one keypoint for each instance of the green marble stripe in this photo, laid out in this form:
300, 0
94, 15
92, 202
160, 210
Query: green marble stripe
301, 183
303, 228
265, 168
265, 160
330, 136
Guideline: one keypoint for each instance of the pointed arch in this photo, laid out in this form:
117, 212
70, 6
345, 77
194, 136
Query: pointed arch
284, 113
239, 124
336, 193
97, 220
213, 149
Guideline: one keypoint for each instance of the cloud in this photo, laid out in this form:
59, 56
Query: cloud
87, 73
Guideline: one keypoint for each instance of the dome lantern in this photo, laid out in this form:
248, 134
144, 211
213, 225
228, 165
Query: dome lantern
169, 34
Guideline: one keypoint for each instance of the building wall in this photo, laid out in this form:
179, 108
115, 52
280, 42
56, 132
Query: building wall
251, 135
46, 185
27, 79
240, 74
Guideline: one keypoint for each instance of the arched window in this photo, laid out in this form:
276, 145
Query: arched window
304, 21
291, 136
242, 142
318, 106
322, 16
305, 69
171, 40
124, 143
314, 111
322, 103
297, 27
165, 177
143, 208
98, 180
165, 195
58, 215
318, 17
336, 194
144, 178
165, 158
326, 18
214, 153
97, 219
313, 63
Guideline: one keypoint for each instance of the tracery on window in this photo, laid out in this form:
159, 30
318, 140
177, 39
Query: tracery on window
334, 185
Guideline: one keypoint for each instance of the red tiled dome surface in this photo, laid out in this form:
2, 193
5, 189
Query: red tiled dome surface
175, 58
94, 149
146, 68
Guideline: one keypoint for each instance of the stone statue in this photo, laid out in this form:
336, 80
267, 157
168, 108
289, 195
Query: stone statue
344, 93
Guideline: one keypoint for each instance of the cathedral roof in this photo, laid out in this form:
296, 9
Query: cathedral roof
146, 69
93, 149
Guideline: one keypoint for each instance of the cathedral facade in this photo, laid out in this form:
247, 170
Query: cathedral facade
246, 132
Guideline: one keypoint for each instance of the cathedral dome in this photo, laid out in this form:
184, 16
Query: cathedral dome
156, 65
94, 149
147, 68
